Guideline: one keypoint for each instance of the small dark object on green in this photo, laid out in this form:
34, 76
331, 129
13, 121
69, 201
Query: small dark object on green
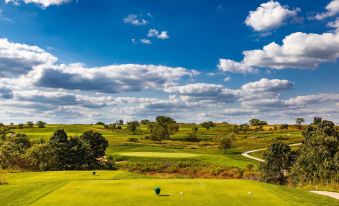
157, 190
94, 172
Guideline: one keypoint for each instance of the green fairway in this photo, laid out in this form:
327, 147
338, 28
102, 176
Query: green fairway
127, 189
159, 154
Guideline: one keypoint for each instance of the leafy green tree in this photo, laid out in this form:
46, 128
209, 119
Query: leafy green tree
81, 154
41, 124
319, 156
225, 143
283, 126
133, 126
100, 123
278, 160
163, 128
208, 124
20, 126
41, 157
97, 142
299, 121
30, 124
12, 151
60, 147
257, 122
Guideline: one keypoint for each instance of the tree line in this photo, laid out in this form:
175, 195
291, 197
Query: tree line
60, 152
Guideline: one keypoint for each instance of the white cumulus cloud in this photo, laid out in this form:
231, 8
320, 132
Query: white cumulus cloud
332, 9
42, 3
269, 15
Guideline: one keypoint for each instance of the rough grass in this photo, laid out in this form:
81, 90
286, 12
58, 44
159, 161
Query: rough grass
121, 188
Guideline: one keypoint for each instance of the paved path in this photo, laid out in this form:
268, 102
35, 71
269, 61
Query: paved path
334, 195
246, 154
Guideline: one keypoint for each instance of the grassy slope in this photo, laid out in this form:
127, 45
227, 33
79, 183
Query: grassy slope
208, 151
121, 188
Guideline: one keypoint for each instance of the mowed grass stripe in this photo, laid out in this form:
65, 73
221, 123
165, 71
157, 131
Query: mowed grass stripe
196, 192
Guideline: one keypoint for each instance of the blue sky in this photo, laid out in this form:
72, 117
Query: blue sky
84, 61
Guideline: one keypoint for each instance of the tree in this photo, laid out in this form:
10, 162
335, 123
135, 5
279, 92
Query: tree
12, 151
133, 126
20, 126
318, 159
41, 124
208, 124
100, 123
283, 126
225, 143
30, 124
299, 121
278, 160
163, 128
81, 154
41, 157
97, 142
145, 122
257, 122
60, 147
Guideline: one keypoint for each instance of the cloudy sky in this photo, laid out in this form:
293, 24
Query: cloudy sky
82, 61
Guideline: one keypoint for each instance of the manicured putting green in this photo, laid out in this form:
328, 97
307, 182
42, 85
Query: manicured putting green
159, 154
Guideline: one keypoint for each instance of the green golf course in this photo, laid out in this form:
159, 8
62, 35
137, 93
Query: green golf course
127, 189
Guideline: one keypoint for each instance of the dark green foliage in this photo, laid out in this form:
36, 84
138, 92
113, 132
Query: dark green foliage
30, 124
20, 126
60, 147
225, 143
278, 160
257, 122
283, 126
59, 153
96, 141
80, 154
100, 123
133, 126
41, 124
207, 125
299, 121
319, 156
163, 128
